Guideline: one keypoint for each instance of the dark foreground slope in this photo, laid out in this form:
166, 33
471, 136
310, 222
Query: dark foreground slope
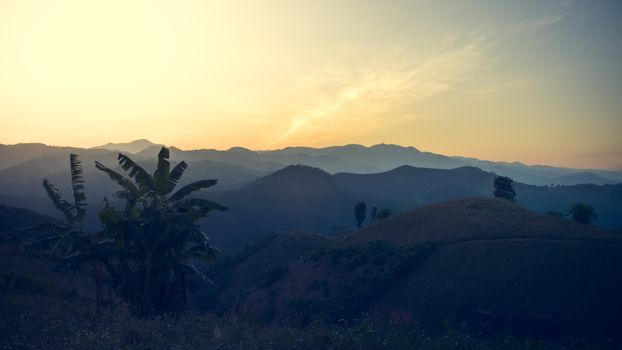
485, 262
268, 259
41, 309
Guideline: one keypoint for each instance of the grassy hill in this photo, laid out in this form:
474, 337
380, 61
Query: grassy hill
472, 219
485, 262
269, 258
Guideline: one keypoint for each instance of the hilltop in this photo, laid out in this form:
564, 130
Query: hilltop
455, 261
135, 146
474, 219
294, 198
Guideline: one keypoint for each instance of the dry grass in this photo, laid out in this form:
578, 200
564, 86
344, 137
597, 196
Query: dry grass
472, 219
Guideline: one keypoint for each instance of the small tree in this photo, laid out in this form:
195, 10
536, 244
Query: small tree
582, 213
374, 213
359, 213
504, 188
384, 213
554, 213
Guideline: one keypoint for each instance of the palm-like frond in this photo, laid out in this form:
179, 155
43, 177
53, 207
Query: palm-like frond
59, 203
128, 186
195, 270
49, 226
77, 185
161, 175
203, 251
42, 243
175, 175
195, 186
197, 207
141, 177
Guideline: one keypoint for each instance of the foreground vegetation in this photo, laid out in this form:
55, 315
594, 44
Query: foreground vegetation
31, 321
145, 251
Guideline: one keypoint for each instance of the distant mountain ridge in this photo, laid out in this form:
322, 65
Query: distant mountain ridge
135, 146
265, 193
335, 159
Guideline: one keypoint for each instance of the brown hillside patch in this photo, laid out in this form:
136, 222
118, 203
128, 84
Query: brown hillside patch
277, 251
468, 219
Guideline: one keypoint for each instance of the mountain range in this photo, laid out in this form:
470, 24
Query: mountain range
307, 188
335, 159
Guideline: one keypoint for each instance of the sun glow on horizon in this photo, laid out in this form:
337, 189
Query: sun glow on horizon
482, 80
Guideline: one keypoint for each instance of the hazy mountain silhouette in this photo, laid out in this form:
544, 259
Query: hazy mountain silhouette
349, 158
422, 185
13, 155
585, 177
294, 198
301, 197
128, 147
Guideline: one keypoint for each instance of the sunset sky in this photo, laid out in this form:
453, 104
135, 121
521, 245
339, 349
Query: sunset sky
531, 81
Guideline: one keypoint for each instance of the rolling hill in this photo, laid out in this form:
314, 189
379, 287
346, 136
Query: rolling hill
474, 219
293, 198
485, 262
268, 258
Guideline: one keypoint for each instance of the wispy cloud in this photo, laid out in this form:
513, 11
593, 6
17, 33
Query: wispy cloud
493, 88
388, 86
530, 26
372, 96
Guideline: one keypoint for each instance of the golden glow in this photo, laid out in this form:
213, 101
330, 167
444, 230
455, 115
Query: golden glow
269, 74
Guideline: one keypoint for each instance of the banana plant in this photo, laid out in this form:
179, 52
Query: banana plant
70, 240
73, 212
147, 249
155, 235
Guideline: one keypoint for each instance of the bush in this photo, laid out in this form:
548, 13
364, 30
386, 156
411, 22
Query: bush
363, 273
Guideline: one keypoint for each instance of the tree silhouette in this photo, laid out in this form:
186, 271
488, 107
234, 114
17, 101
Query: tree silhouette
70, 239
148, 248
374, 213
384, 213
359, 213
504, 188
582, 213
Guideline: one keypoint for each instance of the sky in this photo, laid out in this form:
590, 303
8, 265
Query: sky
531, 81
